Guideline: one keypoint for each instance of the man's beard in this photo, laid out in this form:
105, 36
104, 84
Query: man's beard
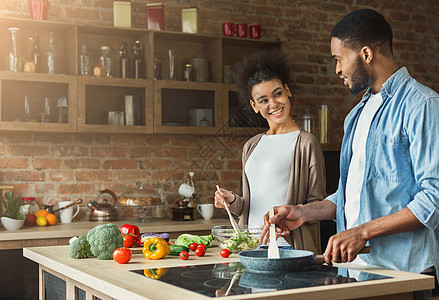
360, 78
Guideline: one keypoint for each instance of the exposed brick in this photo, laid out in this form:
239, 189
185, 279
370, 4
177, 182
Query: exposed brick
79, 163
46, 163
62, 175
14, 163
27, 176
230, 175
78, 188
120, 164
94, 176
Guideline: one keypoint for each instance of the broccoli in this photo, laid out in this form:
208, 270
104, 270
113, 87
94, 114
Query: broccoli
80, 248
104, 239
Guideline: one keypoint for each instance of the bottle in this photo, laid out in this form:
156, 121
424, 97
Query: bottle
84, 61
189, 73
35, 54
157, 68
171, 54
308, 120
324, 119
123, 60
137, 60
51, 55
14, 58
106, 61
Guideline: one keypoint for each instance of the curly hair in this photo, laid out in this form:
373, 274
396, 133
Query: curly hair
364, 27
259, 67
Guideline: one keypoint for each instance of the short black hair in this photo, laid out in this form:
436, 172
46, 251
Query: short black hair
364, 27
259, 67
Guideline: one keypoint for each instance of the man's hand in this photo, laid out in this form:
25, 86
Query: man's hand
344, 246
286, 218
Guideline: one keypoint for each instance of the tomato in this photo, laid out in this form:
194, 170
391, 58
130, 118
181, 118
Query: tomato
184, 255
129, 240
201, 245
225, 253
122, 255
200, 251
193, 246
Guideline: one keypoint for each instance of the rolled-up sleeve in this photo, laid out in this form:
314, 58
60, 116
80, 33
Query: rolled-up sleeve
424, 142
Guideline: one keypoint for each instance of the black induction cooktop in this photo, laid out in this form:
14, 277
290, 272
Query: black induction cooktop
226, 279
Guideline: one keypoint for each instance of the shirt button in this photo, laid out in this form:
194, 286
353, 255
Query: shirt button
390, 140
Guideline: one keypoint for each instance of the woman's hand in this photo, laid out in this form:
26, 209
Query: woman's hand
224, 197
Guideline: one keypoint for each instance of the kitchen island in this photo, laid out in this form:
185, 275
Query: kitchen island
106, 279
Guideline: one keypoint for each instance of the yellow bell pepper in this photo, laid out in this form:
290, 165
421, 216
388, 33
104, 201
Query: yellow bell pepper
155, 248
155, 273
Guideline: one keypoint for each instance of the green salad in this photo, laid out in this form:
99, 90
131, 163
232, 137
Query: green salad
240, 241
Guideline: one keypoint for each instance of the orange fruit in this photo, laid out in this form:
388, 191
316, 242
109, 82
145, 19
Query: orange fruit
51, 219
41, 213
41, 221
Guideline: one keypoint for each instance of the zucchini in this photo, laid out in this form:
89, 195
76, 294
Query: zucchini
176, 249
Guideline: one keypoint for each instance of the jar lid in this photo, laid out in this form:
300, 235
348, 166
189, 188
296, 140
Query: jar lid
27, 199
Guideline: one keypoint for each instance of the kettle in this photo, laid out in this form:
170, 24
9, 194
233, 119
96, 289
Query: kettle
103, 211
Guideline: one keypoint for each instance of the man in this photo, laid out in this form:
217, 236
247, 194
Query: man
388, 192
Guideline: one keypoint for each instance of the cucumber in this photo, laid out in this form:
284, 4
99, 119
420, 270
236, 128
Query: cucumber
176, 249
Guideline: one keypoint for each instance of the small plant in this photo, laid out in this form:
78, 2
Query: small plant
12, 206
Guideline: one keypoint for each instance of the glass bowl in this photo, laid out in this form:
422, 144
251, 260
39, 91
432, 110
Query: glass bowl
227, 238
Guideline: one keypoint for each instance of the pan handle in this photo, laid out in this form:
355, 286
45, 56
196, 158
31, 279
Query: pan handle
320, 259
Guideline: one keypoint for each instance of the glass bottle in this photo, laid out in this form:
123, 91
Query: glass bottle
171, 54
106, 60
27, 111
308, 121
14, 60
35, 54
84, 61
51, 55
189, 73
123, 60
324, 120
137, 59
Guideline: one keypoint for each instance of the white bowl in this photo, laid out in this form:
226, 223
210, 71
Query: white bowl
11, 224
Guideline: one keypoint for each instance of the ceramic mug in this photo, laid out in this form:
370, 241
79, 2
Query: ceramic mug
256, 32
201, 69
66, 214
206, 210
229, 29
241, 30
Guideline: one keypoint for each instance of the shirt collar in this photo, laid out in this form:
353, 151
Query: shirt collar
390, 86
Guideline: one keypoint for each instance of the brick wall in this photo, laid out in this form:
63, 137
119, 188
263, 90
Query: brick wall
50, 166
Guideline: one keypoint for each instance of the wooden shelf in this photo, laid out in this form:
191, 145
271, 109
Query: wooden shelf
165, 104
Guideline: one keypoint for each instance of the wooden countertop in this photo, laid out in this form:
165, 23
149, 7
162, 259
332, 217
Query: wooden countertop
115, 280
59, 234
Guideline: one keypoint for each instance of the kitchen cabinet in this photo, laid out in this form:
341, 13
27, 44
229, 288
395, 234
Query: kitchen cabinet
97, 104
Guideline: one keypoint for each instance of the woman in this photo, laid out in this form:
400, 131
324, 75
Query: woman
284, 165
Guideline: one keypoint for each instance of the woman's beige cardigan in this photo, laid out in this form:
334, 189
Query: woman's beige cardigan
307, 184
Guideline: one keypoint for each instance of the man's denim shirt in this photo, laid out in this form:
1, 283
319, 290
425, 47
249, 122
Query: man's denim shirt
401, 170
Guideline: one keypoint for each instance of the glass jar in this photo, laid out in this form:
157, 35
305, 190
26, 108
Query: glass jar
157, 68
14, 58
51, 55
84, 61
29, 206
106, 60
324, 121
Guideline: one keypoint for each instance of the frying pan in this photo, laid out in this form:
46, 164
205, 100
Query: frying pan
257, 261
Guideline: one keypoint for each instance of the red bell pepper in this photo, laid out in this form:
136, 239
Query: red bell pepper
130, 234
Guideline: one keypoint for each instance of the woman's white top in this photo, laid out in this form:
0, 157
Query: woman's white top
268, 173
